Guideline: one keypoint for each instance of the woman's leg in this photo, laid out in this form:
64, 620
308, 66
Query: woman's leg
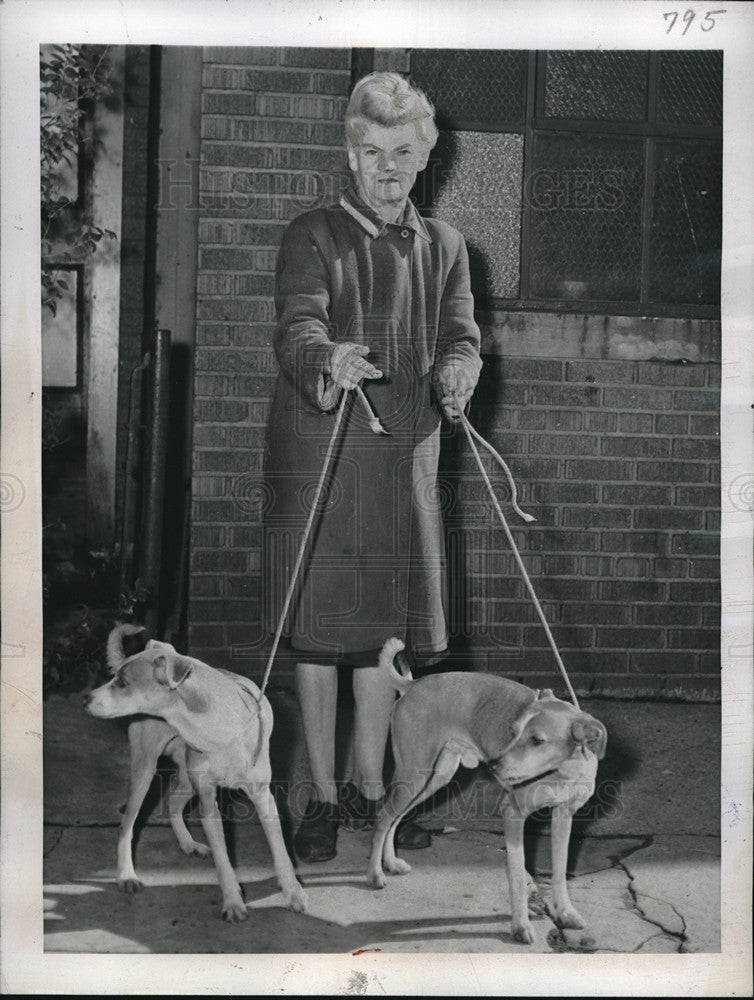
317, 689
374, 698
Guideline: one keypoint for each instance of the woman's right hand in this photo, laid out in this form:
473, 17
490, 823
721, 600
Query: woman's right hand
348, 365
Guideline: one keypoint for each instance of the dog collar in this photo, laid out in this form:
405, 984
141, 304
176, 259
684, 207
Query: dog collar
537, 777
530, 781
174, 687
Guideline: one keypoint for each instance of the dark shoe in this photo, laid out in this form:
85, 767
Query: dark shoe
412, 837
317, 835
356, 810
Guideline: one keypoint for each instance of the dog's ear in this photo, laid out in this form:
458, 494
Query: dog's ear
157, 644
170, 670
498, 721
590, 733
160, 667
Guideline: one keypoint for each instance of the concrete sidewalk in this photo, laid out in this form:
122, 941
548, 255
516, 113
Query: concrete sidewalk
645, 855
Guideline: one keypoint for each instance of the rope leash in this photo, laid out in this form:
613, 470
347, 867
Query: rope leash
499, 458
471, 433
304, 541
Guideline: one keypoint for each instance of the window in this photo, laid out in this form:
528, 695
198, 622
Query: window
582, 180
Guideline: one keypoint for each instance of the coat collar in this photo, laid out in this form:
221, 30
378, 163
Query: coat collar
371, 222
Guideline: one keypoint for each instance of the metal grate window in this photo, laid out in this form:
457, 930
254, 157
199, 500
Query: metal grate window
477, 90
468, 166
618, 188
686, 223
690, 88
596, 86
585, 198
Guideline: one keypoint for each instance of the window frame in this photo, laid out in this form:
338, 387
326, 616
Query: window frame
650, 131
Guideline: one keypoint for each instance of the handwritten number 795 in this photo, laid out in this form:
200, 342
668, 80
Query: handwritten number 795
707, 24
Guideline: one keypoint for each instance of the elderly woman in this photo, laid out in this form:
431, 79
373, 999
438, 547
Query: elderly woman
366, 292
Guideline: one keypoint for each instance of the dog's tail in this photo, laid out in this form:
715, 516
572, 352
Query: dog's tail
115, 653
400, 681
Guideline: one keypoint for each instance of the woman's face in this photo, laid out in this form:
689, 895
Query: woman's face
385, 165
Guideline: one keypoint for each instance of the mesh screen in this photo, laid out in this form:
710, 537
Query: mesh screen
691, 88
477, 188
686, 223
472, 89
585, 195
596, 86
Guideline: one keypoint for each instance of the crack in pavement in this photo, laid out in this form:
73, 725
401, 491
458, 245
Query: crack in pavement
658, 923
680, 936
56, 841
618, 859
634, 951
574, 941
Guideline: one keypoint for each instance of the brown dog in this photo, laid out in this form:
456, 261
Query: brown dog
542, 750
216, 726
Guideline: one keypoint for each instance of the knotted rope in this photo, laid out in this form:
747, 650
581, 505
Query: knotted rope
471, 434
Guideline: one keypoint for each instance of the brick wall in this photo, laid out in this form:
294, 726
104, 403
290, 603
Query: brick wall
610, 426
619, 462
272, 147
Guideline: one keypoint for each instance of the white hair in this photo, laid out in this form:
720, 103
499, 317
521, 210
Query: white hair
388, 99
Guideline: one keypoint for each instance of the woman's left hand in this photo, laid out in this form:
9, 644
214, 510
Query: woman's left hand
456, 387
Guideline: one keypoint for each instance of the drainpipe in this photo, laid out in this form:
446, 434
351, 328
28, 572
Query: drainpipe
159, 392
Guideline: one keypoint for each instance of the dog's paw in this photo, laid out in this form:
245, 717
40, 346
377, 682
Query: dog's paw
195, 849
296, 900
397, 866
376, 880
568, 917
522, 933
536, 903
562, 940
234, 912
130, 885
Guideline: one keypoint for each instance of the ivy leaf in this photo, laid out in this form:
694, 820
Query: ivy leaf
72, 77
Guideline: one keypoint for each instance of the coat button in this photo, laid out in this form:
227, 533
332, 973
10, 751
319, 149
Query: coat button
405, 233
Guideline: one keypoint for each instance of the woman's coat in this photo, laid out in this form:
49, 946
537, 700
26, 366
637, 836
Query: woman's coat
375, 567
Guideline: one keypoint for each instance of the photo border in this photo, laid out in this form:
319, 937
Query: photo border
627, 24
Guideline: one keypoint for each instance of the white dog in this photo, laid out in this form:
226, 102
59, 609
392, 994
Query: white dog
217, 728
542, 750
